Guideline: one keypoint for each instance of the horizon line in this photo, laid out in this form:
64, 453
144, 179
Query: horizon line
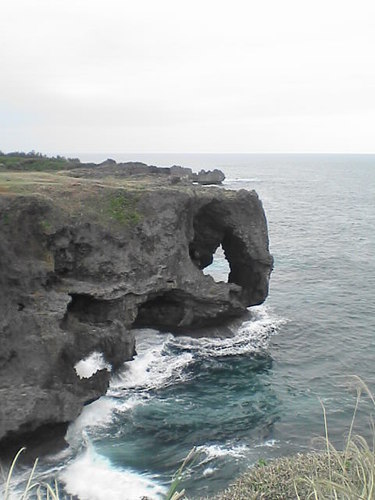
227, 153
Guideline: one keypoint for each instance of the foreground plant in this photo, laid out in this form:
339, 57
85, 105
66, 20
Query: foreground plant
44, 491
340, 475
352, 471
38, 490
172, 493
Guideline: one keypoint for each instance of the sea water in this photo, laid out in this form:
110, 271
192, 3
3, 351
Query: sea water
257, 394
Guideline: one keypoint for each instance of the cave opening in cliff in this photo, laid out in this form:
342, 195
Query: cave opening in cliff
207, 250
164, 310
217, 241
87, 309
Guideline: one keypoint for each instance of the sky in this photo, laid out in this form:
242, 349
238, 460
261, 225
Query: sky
187, 76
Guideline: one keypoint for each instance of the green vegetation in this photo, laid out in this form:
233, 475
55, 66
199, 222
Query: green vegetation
46, 226
277, 480
172, 493
262, 462
106, 202
34, 162
5, 219
122, 208
341, 475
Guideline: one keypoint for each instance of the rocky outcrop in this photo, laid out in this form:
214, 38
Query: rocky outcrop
85, 259
209, 177
109, 167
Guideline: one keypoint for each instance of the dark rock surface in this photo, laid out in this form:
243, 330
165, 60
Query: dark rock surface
82, 260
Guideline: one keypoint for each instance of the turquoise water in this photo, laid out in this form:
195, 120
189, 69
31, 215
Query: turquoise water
254, 395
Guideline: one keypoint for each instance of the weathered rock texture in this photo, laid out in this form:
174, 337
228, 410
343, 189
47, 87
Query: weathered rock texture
130, 169
83, 260
209, 177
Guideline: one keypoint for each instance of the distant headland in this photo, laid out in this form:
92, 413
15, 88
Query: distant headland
89, 251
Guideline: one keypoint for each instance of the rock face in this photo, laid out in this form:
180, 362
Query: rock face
209, 177
111, 168
83, 260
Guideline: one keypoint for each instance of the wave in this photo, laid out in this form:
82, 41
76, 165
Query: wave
252, 336
92, 477
270, 443
244, 179
154, 366
215, 451
209, 471
162, 360
98, 416
91, 364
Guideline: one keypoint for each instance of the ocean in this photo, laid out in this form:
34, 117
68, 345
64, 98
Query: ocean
257, 395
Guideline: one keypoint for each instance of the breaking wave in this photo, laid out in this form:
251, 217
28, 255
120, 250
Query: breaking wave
250, 337
110, 451
93, 477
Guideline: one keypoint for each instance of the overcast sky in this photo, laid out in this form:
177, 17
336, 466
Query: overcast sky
187, 76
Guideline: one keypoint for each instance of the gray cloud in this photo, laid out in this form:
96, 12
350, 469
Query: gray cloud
187, 76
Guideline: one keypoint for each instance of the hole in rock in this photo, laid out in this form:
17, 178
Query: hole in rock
162, 311
213, 229
208, 249
87, 309
219, 269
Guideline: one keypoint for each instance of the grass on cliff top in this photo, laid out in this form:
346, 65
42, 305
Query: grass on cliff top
52, 183
315, 476
348, 474
105, 202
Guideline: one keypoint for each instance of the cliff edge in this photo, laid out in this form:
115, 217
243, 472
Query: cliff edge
84, 257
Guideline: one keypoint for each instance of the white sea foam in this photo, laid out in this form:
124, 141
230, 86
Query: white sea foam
154, 366
97, 414
209, 471
161, 360
216, 451
100, 413
270, 443
229, 180
21, 476
252, 336
91, 364
92, 477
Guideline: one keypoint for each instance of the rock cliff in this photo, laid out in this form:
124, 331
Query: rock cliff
83, 259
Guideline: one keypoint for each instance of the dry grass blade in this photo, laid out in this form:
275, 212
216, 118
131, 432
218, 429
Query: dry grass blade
333, 474
326, 437
10, 474
38, 490
172, 493
29, 486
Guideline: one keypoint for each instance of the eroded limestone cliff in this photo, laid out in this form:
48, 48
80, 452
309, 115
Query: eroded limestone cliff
83, 259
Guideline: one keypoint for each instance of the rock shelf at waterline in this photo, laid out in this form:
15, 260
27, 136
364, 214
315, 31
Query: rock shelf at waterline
87, 254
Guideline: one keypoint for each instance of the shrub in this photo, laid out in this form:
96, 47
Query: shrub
347, 474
